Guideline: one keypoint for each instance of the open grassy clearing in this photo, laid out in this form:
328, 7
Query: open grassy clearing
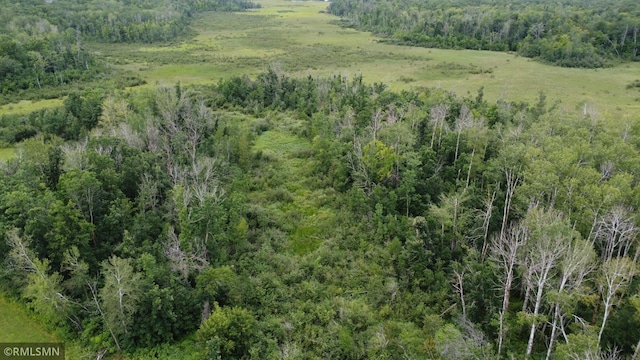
283, 188
301, 40
27, 106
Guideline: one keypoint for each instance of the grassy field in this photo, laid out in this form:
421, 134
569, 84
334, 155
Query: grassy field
300, 39
17, 325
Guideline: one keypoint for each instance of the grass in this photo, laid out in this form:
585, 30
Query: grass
300, 39
27, 106
7, 153
18, 326
285, 190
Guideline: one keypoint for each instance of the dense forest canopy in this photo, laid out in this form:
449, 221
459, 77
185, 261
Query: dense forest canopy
565, 33
281, 217
374, 224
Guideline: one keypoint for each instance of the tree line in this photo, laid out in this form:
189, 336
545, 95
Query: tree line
569, 33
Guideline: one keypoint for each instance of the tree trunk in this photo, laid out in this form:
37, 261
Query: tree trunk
536, 310
94, 294
554, 326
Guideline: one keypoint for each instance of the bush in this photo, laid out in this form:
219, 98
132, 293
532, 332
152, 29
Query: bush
227, 333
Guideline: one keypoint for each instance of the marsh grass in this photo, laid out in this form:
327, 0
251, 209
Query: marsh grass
27, 106
302, 40
286, 191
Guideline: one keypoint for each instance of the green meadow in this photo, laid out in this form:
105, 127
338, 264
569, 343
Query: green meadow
300, 39
27, 106
289, 193
20, 325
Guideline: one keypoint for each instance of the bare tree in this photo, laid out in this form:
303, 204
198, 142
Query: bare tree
537, 30
576, 264
616, 233
486, 220
550, 236
458, 286
181, 261
438, 116
358, 167
510, 162
504, 252
615, 276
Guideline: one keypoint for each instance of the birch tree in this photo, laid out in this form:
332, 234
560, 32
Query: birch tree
120, 293
43, 289
504, 252
615, 276
616, 233
577, 263
550, 235
438, 117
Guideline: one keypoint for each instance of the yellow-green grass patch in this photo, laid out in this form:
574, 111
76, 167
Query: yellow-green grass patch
27, 106
7, 153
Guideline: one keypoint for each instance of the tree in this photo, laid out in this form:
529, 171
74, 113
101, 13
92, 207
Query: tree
227, 332
43, 289
616, 233
614, 277
465, 342
505, 252
509, 163
120, 294
450, 213
549, 236
84, 190
438, 117
575, 266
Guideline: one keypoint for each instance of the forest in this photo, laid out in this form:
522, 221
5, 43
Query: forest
442, 227
308, 217
42, 43
571, 33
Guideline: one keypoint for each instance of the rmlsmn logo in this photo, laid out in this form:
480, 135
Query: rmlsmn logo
31, 351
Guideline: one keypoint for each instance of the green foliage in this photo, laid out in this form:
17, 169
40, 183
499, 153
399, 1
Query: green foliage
120, 294
570, 34
580, 345
310, 218
227, 332
379, 159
